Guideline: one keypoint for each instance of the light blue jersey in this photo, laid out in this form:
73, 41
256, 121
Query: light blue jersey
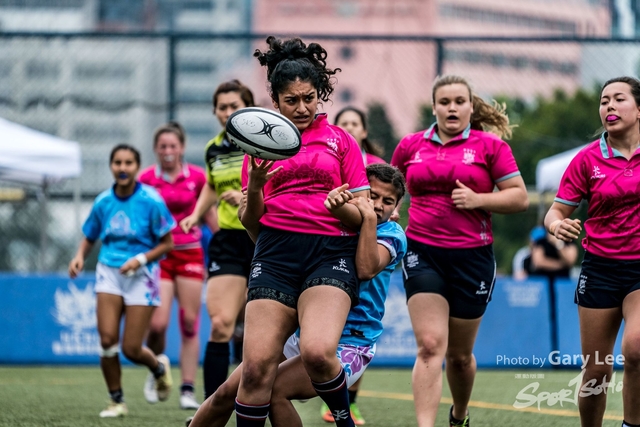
364, 322
127, 226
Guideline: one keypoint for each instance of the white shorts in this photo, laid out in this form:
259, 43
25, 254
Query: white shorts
140, 289
354, 359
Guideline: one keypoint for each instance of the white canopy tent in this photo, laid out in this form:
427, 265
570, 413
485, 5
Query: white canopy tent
31, 157
549, 171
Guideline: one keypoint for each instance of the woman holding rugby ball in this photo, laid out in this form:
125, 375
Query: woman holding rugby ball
305, 250
606, 174
449, 269
134, 226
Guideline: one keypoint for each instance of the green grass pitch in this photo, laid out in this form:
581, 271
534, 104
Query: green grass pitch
73, 396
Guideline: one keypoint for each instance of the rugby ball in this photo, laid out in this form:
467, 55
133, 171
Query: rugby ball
263, 133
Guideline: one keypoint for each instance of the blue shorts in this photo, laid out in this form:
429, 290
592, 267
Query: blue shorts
464, 277
287, 263
605, 282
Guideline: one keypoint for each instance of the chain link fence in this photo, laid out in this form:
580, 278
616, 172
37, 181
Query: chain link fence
103, 89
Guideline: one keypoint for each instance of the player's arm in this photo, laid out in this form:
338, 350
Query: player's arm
540, 260
371, 257
206, 200
511, 197
558, 223
164, 246
251, 210
211, 219
77, 263
568, 253
337, 202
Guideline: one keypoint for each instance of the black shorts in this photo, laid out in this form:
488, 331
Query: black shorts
287, 263
230, 252
605, 282
464, 277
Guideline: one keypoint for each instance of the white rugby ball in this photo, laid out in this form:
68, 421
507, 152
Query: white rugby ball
263, 133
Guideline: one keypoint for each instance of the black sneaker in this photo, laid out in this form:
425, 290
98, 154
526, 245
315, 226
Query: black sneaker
458, 423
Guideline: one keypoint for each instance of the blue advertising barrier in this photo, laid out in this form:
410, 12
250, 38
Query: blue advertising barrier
51, 319
569, 350
515, 331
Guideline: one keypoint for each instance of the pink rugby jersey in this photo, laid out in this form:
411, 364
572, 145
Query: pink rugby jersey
294, 197
611, 185
370, 159
478, 159
180, 197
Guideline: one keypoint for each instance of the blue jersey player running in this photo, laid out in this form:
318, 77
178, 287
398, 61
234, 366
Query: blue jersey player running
381, 246
134, 226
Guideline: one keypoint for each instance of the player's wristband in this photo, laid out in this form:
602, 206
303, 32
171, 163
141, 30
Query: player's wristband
141, 258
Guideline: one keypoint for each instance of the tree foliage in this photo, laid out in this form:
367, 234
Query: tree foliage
381, 130
551, 126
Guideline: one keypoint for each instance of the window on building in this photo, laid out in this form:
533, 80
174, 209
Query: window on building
197, 5
5, 70
119, 12
42, 70
196, 67
346, 96
57, 4
194, 96
200, 133
517, 62
498, 60
347, 9
103, 72
102, 133
347, 52
504, 18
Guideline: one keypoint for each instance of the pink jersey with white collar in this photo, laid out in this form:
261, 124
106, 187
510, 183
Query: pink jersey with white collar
294, 197
611, 185
478, 159
180, 197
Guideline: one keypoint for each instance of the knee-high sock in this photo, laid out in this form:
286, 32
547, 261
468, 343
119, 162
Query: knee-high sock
215, 367
251, 415
336, 396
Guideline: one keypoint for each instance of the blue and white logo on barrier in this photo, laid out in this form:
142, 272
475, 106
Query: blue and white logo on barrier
75, 311
521, 294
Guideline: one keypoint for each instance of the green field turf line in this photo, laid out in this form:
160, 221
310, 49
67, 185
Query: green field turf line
486, 405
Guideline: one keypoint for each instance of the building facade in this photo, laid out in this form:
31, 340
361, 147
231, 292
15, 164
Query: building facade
399, 74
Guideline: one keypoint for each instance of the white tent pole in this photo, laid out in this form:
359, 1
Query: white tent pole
542, 208
43, 226
76, 208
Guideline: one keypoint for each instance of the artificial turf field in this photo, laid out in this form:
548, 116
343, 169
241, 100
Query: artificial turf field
73, 397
